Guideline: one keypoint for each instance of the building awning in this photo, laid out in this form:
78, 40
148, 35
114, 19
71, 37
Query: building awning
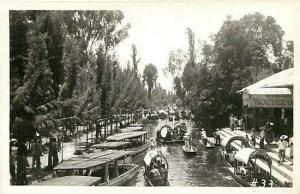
275, 91
278, 80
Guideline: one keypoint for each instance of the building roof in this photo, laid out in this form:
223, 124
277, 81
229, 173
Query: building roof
279, 83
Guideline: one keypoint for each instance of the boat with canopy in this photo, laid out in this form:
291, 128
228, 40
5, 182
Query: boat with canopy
156, 168
106, 168
249, 167
167, 134
135, 141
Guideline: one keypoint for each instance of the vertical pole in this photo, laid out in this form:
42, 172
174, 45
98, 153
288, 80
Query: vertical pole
87, 139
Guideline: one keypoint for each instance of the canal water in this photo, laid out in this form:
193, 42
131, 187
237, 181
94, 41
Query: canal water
204, 169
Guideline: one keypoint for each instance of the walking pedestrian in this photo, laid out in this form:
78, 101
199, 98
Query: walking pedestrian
36, 152
253, 137
262, 138
282, 145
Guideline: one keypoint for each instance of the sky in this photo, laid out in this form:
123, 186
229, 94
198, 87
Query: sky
156, 30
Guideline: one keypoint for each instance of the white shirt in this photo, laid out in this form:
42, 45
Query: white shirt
282, 145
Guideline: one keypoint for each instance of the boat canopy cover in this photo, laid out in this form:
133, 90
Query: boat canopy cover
151, 154
130, 129
162, 152
136, 125
91, 160
112, 145
71, 181
126, 135
227, 141
245, 155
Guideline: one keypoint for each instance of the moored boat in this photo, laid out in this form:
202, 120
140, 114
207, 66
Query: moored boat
106, 168
134, 141
249, 167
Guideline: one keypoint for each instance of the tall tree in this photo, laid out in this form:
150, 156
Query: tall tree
134, 57
150, 76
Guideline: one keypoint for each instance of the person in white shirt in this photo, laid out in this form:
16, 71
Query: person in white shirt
282, 145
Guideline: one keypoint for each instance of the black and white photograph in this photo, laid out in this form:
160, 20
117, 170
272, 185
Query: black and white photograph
182, 95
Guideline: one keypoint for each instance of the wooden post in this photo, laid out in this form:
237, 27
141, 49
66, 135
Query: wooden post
106, 174
116, 169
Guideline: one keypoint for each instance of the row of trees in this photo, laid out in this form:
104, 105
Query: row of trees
242, 52
63, 67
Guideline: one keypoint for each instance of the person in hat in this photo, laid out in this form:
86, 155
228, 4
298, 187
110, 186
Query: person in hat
282, 145
217, 137
203, 136
253, 137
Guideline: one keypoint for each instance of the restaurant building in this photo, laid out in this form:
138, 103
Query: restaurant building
270, 99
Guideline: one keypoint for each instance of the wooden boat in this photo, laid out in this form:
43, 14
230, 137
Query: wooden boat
209, 144
106, 168
135, 141
249, 167
189, 150
151, 165
167, 135
71, 181
136, 125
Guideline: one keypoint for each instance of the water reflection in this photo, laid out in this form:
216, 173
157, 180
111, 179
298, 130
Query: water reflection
204, 169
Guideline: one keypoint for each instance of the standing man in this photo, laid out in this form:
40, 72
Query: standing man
50, 152
59, 138
262, 138
231, 121
253, 137
36, 152
54, 152
282, 145
218, 137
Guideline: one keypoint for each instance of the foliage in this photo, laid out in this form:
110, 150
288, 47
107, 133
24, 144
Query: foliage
242, 52
64, 70
150, 76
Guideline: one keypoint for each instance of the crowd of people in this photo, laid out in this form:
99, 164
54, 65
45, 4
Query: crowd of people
19, 160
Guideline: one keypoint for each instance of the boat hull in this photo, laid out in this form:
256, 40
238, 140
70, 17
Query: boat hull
208, 145
123, 179
192, 151
138, 150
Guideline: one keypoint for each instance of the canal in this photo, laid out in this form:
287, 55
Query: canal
204, 169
